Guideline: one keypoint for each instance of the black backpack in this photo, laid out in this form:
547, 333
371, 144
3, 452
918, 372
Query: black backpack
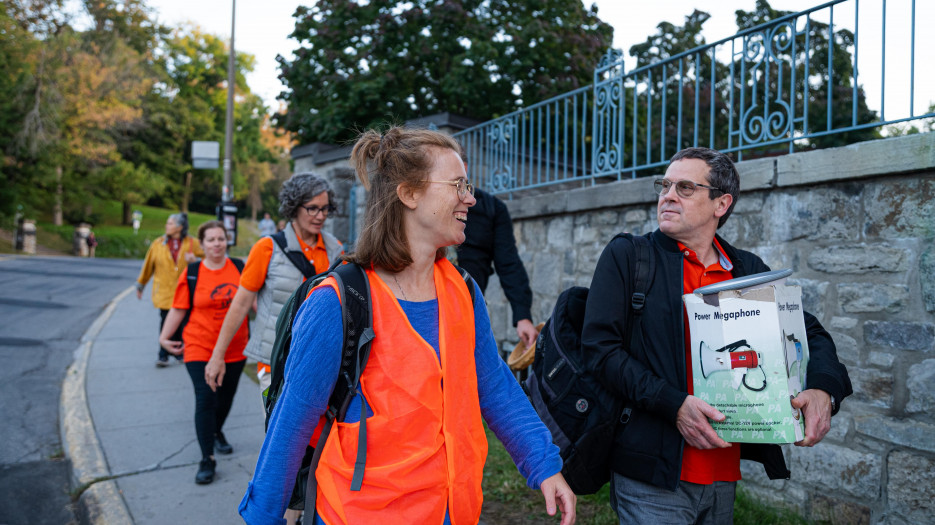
357, 319
580, 413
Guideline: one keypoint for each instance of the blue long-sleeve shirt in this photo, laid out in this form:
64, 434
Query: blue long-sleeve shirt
310, 375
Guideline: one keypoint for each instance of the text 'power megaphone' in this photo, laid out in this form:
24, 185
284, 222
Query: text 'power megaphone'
727, 358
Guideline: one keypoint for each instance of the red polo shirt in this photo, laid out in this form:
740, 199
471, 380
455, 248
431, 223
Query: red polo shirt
718, 464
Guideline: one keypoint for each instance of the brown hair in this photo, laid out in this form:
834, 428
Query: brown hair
207, 226
383, 162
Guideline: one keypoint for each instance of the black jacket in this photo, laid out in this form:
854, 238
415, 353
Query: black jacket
489, 238
650, 376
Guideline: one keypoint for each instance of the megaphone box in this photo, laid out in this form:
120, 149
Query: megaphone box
749, 355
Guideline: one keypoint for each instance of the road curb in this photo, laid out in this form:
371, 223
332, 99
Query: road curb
100, 501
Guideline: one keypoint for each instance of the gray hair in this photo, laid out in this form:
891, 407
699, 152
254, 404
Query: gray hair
299, 189
722, 174
181, 219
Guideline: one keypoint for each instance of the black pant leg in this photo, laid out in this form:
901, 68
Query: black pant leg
206, 404
177, 336
232, 373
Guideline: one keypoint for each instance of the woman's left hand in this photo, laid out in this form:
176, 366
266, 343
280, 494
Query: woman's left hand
556, 490
190, 257
173, 347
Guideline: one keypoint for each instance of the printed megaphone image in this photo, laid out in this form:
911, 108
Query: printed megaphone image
730, 357
794, 357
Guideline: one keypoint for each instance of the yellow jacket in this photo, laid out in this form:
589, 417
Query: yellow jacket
164, 271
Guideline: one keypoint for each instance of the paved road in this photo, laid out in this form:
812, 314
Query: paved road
46, 304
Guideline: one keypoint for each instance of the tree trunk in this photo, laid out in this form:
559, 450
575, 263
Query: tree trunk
57, 207
127, 214
186, 195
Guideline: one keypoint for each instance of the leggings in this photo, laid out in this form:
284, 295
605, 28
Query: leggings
211, 408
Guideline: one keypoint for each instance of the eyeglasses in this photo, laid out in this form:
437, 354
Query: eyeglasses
315, 210
464, 187
685, 188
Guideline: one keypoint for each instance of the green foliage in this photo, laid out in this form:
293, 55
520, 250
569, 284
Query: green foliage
364, 64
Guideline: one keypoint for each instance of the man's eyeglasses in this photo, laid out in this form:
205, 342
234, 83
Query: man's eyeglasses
685, 188
464, 187
315, 210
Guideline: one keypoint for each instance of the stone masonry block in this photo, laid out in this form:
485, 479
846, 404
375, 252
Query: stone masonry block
901, 209
635, 216
900, 432
757, 174
872, 386
839, 470
825, 214
927, 278
911, 488
882, 359
920, 382
857, 160
899, 334
865, 297
546, 274
848, 351
560, 233
843, 323
840, 425
838, 511
859, 259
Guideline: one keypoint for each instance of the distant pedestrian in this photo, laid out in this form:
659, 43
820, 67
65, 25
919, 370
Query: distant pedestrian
489, 244
165, 261
281, 225
214, 289
92, 243
266, 225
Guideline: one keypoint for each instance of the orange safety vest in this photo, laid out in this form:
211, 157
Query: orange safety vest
426, 445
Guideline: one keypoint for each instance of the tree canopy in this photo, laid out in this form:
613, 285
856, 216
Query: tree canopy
361, 64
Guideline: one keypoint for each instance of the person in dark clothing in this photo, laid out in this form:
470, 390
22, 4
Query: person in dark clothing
490, 245
669, 465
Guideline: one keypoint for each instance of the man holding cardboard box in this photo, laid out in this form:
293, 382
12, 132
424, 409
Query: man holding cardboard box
669, 465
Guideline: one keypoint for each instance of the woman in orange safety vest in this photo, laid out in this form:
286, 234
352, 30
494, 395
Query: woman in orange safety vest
434, 374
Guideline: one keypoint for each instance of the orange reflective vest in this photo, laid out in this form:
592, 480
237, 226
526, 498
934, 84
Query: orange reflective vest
426, 445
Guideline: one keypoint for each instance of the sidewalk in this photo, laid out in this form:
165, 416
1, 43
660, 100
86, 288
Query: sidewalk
128, 428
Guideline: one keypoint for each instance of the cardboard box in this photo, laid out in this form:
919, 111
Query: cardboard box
749, 356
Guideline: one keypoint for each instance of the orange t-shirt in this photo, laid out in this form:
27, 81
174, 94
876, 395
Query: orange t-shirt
717, 464
213, 295
254, 272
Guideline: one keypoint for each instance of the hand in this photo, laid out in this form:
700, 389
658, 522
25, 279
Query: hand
815, 405
526, 332
692, 422
214, 373
556, 490
139, 293
173, 347
190, 257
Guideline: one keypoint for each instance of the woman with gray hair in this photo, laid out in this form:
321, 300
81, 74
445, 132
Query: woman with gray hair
166, 259
277, 264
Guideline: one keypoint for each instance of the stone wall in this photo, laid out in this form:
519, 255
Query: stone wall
856, 224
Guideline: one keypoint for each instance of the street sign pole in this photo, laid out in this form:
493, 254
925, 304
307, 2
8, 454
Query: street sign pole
227, 211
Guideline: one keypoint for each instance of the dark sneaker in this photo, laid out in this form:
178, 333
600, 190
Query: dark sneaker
221, 445
205, 473
162, 362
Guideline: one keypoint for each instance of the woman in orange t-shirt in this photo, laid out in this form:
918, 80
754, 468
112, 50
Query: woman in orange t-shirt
217, 281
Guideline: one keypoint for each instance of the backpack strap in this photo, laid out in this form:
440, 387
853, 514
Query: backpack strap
238, 263
643, 270
296, 257
192, 282
357, 318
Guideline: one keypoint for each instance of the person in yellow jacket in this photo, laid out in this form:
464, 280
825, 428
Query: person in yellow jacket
167, 257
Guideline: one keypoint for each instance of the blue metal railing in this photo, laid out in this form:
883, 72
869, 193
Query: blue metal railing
787, 85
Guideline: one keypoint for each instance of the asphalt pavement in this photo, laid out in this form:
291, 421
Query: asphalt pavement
128, 429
